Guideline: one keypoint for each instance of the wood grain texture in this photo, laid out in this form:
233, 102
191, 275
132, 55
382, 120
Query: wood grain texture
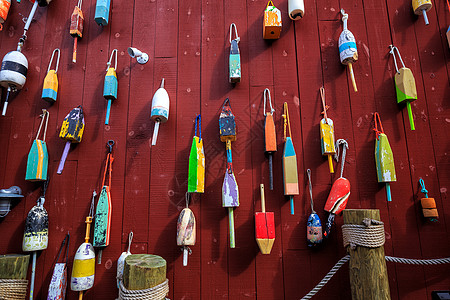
188, 44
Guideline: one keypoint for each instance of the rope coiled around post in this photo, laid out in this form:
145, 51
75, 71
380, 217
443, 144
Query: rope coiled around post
158, 292
370, 235
13, 289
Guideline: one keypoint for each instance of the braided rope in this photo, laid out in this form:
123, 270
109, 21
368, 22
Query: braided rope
158, 292
410, 261
13, 289
367, 235
327, 277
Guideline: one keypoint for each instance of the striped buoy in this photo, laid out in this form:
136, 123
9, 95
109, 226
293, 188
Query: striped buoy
110, 86
50, 90
13, 73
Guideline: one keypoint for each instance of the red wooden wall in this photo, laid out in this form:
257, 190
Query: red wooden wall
187, 42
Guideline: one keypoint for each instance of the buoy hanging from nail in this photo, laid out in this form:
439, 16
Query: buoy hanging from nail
160, 109
420, 7
340, 191
37, 163
230, 190
264, 226
235, 56
4, 9
272, 22
405, 85
290, 175
347, 48
72, 130
186, 230
111, 85
83, 271
327, 133
429, 208
102, 12
296, 9
121, 260
50, 89
270, 139
76, 28
384, 157
35, 237
103, 212
313, 226
196, 171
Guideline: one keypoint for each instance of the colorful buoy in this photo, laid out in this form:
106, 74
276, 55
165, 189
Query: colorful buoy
270, 139
37, 163
76, 28
196, 172
58, 283
313, 226
420, 7
327, 133
429, 208
102, 12
272, 22
186, 230
405, 85
50, 89
111, 85
264, 226
347, 48
235, 57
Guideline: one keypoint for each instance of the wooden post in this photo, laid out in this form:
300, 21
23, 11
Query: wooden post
143, 271
368, 273
14, 266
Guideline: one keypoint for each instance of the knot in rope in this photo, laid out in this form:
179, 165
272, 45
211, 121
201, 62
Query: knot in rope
423, 190
369, 235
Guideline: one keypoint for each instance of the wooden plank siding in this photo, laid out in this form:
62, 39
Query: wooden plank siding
188, 44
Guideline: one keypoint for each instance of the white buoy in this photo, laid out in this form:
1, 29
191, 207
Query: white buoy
296, 9
160, 109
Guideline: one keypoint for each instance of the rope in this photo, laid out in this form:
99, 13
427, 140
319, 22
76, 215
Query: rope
198, 123
310, 190
410, 261
13, 289
399, 56
370, 235
375, 117
267, 91
237, 39
91, 210
423, 190
57, 61
344, 18
158, 292
45, 113
286, 120
344, 153
327, 277
325, 107
108, 64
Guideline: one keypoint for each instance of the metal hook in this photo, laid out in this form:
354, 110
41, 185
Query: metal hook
237, 39
270, 102
57, 61
110, 144
110, 59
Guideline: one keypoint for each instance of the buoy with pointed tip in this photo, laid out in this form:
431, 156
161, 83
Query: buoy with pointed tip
264, 226
160, 109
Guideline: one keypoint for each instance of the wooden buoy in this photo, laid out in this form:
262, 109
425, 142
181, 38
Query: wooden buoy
230, 190
103, 212
367, 266
14, 266
384, 158
4, 9
186, 231
264, 226
144, 271
50, 89
347, 48
111, 85
340, 191
121, 259
102, 12
405, 85
160, 109
270, 139
76, 27
296, 9
83, 271
290, 175
327, 133
35, 237
234, 74
72, 131
58, 283
196, 171
37, 163
272, 22
313, 226
420, 7
429, 208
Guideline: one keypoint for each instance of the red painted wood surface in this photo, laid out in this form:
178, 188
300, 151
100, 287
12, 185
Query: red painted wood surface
188, 45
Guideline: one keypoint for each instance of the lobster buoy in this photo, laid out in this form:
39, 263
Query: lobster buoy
4, 9
13, 73
160, 109
102, 12
110, 86
50, 90
296, 9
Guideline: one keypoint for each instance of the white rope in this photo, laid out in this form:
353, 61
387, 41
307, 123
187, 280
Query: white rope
158, 292
369, 235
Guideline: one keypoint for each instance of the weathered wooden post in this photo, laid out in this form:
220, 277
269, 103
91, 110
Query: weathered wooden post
368, 273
